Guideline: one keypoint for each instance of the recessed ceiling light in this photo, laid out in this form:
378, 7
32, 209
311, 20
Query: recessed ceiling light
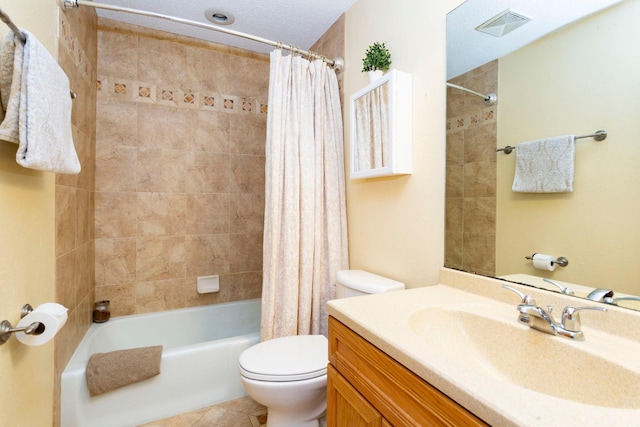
219, 17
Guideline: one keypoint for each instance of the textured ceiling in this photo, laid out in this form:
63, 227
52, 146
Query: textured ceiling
300, 23
468, 49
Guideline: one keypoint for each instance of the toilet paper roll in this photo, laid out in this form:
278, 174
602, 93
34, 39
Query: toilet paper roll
544, 262
53, 316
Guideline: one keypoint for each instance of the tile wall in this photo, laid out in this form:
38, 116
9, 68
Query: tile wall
470, 220
331, 45
78, 57
170, 132
181, 128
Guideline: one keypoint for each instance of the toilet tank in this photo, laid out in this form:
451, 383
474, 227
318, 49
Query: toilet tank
352, 283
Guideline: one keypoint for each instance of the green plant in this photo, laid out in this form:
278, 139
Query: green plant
377, 57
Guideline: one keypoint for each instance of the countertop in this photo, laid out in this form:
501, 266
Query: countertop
383, 320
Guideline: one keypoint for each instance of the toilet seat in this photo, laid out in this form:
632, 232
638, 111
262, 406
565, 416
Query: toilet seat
293, 358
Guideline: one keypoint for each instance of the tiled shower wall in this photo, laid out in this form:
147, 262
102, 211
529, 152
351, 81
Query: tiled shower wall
181, 128
470, 228
331, 45
78, 57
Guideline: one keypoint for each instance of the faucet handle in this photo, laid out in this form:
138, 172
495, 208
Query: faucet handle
563, 289
526, 299
614, 301
571, 317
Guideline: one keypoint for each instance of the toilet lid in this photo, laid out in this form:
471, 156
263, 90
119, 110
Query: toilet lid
291, 358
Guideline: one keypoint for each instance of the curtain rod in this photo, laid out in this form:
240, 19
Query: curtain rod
337, 63
489, 98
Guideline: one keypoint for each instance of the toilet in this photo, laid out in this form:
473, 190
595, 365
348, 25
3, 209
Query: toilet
288, 375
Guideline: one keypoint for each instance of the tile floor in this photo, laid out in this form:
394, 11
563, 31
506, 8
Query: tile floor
243, 412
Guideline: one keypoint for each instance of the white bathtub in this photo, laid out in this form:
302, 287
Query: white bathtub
199, 364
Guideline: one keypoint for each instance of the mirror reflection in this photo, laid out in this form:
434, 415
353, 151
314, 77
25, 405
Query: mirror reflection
371, 150
578, 79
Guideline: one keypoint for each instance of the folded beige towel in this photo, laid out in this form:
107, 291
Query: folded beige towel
545, 165
109, 371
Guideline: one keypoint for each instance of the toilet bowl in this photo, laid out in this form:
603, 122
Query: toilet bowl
288, 375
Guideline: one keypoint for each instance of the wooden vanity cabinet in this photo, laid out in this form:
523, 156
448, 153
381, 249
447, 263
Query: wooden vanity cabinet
366, 387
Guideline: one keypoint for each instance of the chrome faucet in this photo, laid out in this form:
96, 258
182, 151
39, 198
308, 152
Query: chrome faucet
599, 294
614, 301
565, 290
542, 320
606, 296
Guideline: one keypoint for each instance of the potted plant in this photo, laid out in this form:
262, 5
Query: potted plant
376, 61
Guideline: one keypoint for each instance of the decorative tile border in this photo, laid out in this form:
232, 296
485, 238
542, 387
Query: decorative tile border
144, 92
168, 96
176, 97
472, 119
210, 102
70, 42
489, 113
189, 99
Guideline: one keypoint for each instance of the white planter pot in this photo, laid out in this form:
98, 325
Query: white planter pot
375, 75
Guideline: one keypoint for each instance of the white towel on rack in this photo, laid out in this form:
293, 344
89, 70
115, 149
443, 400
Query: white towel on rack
44, 122
10, 81
545, 165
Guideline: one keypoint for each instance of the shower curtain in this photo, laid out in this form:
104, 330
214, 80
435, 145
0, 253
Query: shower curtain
305, 232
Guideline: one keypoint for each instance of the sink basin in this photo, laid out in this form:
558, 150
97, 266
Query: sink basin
497, 345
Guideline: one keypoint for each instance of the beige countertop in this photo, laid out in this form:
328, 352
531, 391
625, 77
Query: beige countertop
448, 362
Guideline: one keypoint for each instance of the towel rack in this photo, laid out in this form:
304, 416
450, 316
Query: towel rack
7, 20
599, 135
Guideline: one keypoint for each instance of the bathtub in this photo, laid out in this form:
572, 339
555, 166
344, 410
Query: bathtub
199, 364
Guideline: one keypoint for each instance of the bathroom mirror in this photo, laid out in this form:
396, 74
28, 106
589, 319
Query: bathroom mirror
381, 127
578, 79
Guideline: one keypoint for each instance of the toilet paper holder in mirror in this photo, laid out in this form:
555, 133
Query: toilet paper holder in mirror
561, 261
6, 329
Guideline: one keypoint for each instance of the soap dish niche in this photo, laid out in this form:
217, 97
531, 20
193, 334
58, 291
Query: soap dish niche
208, 284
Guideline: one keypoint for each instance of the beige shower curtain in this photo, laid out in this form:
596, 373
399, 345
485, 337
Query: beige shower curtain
305, 232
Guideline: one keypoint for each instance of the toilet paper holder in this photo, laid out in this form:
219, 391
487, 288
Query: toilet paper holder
6, 329
561, 261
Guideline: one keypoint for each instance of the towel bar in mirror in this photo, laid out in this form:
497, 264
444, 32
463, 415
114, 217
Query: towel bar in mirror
381, 126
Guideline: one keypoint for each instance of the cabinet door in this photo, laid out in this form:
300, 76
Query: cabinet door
399, 395
346, 407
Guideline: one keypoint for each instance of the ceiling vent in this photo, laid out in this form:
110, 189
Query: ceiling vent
503, 23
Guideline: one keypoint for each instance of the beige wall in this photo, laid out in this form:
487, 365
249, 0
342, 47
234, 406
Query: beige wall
548, 89
181, 131
396, 225
470, 218
27, 252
